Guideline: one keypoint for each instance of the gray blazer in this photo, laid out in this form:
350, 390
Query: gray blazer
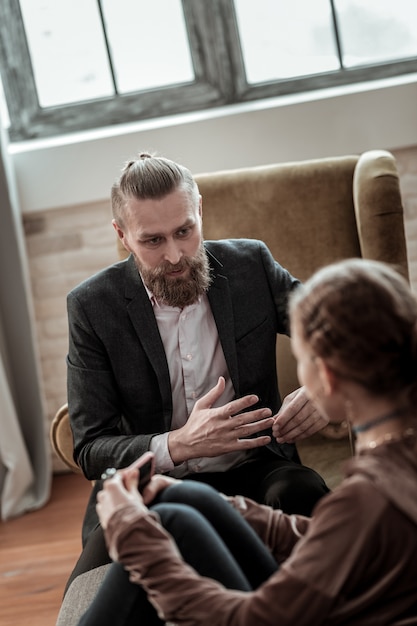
119, 391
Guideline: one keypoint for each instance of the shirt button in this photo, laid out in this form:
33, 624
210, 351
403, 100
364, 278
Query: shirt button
189, 357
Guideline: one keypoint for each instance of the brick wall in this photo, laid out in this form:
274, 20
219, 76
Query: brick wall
64, 247
67, 245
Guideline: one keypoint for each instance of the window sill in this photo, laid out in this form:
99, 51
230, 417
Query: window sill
80, 168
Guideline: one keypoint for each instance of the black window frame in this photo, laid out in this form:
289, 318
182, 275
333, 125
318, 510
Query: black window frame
219, 77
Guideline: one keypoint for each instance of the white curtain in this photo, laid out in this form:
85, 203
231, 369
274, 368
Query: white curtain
25, 464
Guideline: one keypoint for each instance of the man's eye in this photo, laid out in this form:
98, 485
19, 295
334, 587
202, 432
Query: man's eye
153, 242
184, 232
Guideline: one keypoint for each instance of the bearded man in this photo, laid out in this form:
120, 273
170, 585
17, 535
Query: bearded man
173, 350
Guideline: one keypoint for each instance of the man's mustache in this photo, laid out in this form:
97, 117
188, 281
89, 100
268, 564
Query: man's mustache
167, 267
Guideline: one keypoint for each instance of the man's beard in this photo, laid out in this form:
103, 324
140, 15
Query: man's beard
178, 292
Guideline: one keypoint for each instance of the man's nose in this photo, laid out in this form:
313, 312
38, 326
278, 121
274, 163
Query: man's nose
172, 252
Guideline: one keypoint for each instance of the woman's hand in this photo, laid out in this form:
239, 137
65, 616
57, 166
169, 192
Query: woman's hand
158, 483
122, 490
118, 492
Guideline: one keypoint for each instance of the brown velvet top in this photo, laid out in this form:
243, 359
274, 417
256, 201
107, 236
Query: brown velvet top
354, 562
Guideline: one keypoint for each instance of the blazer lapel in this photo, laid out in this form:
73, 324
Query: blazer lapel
221, 305
143, 319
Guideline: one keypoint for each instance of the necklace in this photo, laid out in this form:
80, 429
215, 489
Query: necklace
390, 438
378, 420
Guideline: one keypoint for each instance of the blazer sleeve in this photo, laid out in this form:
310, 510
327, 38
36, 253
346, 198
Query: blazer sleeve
99, 431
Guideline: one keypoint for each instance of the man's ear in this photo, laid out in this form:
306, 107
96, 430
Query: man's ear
121, 235
327, 377
200, 205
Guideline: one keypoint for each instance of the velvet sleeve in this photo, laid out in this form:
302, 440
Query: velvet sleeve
279, 531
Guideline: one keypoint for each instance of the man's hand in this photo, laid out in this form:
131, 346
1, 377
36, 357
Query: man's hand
211, 432
297, 418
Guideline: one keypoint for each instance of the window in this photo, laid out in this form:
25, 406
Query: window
73, 65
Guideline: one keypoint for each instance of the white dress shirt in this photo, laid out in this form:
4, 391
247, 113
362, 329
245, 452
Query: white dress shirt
195, 360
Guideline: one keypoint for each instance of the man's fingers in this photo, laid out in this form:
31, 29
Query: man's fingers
207, 401
246, 430
253, 442
235, 407
231, 408
292, 411
249, 417
309, 426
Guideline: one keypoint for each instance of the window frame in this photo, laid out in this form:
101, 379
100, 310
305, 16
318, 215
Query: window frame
219, 77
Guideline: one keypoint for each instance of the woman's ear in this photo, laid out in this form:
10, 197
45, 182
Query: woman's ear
327, 377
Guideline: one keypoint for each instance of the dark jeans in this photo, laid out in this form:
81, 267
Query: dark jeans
211, 536
268, 479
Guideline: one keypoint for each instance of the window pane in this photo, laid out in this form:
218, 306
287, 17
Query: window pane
377, 30
149, 43
4, 111
67, 49
286, 39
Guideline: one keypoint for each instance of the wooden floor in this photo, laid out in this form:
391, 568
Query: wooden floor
37, 553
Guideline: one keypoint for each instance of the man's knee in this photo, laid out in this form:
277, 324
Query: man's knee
294, 489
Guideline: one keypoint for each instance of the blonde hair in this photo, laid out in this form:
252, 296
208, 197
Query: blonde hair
150, 177
361, 317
